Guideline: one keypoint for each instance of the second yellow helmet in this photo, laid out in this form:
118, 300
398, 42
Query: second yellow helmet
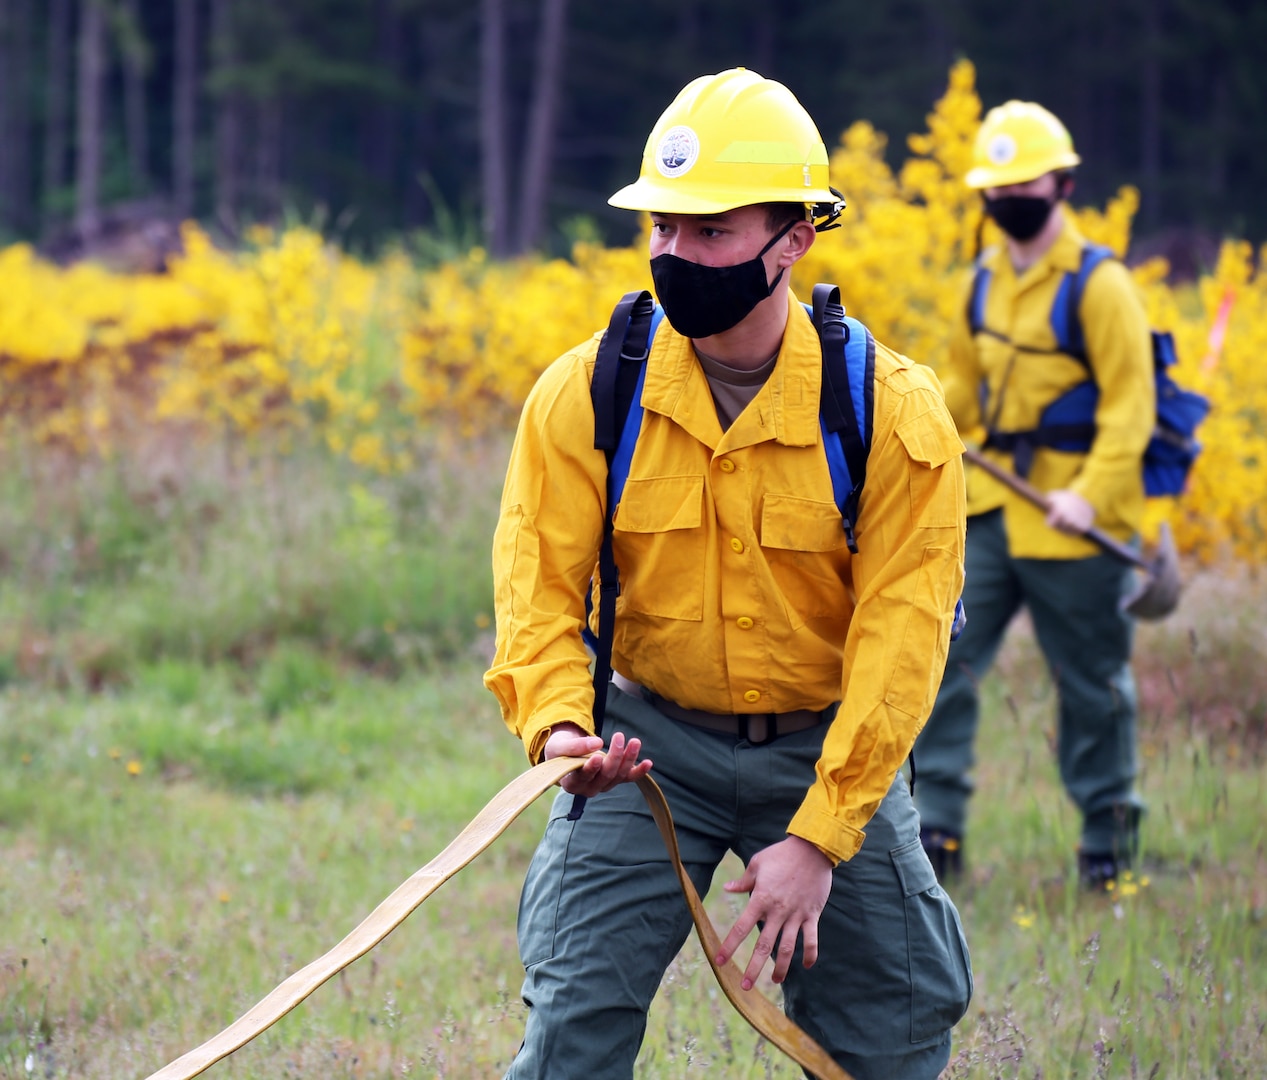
1019, 141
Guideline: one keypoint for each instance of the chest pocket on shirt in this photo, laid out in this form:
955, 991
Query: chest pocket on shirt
660, 546
930, 440
804, 543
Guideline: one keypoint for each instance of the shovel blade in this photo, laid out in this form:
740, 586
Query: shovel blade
1157, 589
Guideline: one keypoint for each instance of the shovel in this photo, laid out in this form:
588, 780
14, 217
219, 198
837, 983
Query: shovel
1156, 594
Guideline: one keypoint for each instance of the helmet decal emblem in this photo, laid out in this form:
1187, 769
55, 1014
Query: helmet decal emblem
1002, 149
678, 151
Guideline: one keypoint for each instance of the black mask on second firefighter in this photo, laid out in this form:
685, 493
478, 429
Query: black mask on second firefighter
700, 301
1022, 217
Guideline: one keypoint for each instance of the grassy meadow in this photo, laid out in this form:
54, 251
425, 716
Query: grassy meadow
241, 703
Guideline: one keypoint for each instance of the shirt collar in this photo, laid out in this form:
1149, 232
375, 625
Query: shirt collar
785, 408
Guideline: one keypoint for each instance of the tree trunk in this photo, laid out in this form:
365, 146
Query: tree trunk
15, 111
184, 116
764, 30
8, 111
91, 91
939, 38
383, 127
268, 159
1150, 115
136, 114
539, 149
1220, 126
228, 114
56, 81
493, 155
422, 128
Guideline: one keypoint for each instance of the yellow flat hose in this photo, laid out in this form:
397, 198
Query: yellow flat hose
486, 827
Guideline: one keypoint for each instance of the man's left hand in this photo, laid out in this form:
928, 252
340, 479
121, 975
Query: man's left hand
1069, 512
789, 883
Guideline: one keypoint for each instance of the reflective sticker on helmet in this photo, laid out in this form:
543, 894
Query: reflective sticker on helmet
678, 151
1002, 149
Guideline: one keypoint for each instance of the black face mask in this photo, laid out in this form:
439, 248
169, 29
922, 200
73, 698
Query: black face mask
700, 301
1022, 217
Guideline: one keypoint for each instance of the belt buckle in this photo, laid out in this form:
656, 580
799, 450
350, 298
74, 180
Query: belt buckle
758, 728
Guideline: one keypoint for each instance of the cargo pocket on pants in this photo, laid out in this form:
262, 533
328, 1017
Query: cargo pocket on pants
543, 886
941, 973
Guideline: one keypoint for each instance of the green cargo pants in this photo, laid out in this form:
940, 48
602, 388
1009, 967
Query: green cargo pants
602, 916
1086, 640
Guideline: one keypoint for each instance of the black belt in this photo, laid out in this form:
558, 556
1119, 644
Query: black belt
756, 728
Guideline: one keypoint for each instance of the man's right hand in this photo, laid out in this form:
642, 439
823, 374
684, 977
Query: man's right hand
601, 772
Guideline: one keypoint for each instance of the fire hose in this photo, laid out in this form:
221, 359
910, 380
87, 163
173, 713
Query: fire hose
764, 1016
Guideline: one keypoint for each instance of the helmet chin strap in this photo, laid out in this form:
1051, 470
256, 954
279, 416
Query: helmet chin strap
829, 211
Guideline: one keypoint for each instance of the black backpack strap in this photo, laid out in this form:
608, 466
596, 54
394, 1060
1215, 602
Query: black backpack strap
621, 353
840, 411
623, 347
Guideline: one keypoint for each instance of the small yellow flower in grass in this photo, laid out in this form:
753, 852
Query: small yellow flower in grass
1130, 885
950, 844
225, 896
134, 768
483, 621
406, 824
115, 753
1023, 917
27, 759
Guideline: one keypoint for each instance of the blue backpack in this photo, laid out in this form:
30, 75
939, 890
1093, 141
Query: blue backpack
846, 406
1068, 423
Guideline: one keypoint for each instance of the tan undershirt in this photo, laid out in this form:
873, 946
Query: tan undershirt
732, 387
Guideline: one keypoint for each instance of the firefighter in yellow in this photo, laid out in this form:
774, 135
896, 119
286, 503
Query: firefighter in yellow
1006, 378
775, 679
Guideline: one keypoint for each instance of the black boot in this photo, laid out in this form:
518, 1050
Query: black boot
1097, 870
945, 851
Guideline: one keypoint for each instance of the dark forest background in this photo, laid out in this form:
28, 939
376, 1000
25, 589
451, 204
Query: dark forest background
510, 121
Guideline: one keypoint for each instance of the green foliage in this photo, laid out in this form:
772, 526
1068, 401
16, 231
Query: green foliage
113, 572
452, 232
178, 682
293, 675
181, 853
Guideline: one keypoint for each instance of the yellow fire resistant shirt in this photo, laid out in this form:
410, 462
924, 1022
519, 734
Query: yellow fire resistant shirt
738, 592
1022, 376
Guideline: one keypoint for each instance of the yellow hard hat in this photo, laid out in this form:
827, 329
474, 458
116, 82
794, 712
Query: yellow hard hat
728, 140
1018, 142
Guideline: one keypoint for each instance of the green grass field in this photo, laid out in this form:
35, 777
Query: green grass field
183, 826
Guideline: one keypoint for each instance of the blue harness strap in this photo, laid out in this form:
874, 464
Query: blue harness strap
1068, 422
846, 402
1066, 321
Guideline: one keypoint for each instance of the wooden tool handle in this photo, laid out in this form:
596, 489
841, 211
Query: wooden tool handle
766, 1017
1027, 491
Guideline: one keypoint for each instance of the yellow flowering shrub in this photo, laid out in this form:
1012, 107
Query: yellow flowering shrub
291, 336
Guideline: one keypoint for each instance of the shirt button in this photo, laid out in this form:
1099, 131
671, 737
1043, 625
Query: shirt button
744, 623
726, 465
736, 545
752, 696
